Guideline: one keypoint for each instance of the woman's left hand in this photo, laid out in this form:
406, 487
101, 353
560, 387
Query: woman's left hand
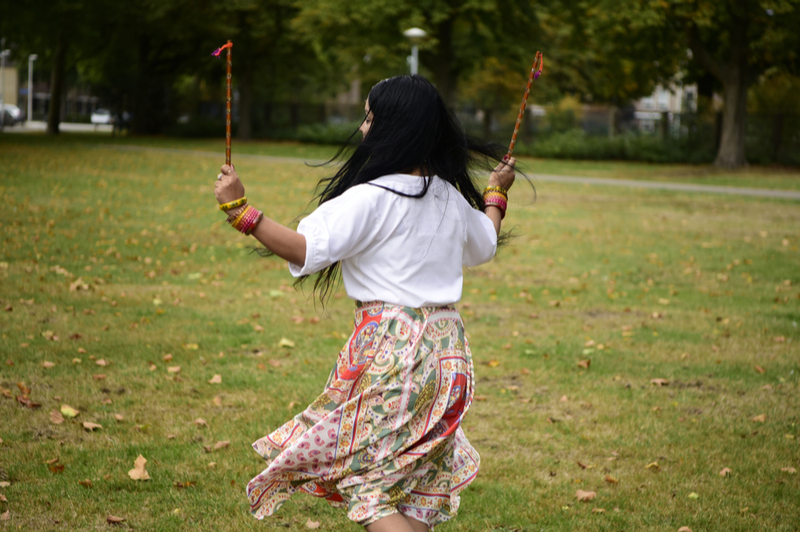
228, 187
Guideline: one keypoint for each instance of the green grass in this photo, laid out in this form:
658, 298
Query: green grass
695, 289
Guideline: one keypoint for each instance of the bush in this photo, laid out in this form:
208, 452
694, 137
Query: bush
199, 127
326, 133
575, 144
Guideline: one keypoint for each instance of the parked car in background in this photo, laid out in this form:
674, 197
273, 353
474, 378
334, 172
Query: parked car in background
102, 116
12, 114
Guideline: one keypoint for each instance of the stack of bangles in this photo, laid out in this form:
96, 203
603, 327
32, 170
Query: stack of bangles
246, 218
498, 197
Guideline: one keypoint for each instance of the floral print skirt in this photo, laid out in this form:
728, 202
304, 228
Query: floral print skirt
385, 436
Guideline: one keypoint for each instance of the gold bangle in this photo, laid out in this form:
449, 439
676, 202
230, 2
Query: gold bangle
234, 204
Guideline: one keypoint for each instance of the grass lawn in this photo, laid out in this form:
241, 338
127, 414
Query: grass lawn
117, 268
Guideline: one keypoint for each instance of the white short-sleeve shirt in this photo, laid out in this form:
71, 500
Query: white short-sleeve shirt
400, 250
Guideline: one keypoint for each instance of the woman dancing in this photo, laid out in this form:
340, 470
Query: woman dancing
399, 221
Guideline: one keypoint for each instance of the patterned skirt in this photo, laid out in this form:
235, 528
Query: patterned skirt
385, 435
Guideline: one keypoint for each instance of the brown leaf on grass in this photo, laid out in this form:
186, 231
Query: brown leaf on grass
563, 399
76, 361
222, 444
216, 379
274, 362
172, 436
217, 401
3, 498
119, 417
56, 417
479, 398
167, 357
311, 524
725, 472
789, 470
584, 363
184, 484
101, 362
684, 529
313, 320
760, 370
85, 483
23, 389
582, 465
91, 426
139, 472
48, 364
780, 339
111, 519
585, 496
598, 510
298, 319
654, 466
285, 343
524, 371
173, 369
98, 377
81, 350
493, 363
27, 402
7, 394
611, 479
5, 516
760, 418
56, 468
199, 422
51, 461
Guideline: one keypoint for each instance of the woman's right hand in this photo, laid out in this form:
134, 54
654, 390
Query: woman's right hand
503, 174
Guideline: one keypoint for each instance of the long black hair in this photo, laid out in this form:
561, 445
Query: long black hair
411, 130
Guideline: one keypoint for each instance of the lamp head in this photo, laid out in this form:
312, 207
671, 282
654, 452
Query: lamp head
415, 35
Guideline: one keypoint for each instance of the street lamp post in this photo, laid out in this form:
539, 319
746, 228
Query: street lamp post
31, 59
415, 35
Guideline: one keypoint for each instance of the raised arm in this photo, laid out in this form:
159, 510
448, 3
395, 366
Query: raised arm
282, 241
502, 176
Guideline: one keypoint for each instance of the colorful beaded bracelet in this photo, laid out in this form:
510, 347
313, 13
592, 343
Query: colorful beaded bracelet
234, 204
247, 220
496, 188
498, 200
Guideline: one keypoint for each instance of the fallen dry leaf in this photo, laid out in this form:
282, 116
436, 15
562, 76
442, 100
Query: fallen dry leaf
693, 496
119, 417
216, 379
5, 516
217, 401
789, 470
598, 510
48, 364
493, 363
725, 472
611, 479
191, 346
3, 498
660, 382
563, 399
85, 483
274, 362
69, 412
56, 468
139, 472
585, 496
173, 369
310, 524
222, 444
582, 465
56, 417
212, 464
98, 377
91, 426
111, 519
200, 422
81, 350
285, 343
585, 363
684, 529
23, 389
76, 361
759, 418
654, 466
760, 370
167, 357
524, 371
101, 362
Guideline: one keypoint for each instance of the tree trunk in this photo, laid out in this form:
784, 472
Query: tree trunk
443, 62
731, 146
246, 106
57, 85
487, 123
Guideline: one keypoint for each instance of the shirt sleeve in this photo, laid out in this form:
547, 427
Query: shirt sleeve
340, 228
481, 238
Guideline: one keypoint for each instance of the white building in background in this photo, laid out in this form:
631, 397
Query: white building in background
665, 103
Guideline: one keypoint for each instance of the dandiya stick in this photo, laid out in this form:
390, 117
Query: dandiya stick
228, 99
536, 71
